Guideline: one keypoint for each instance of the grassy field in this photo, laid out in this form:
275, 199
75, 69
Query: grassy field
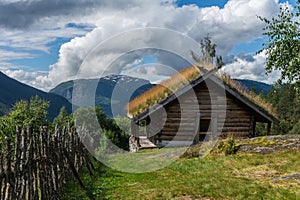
240, 176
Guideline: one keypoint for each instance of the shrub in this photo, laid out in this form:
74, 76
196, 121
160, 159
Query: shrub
296, 129
228, 146
192, 152
85, 117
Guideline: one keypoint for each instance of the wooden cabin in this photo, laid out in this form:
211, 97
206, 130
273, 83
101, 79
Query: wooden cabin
209, 105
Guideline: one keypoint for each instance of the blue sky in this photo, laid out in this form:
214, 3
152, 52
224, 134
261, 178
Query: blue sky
200, 3
42, 60
45, 48
219, 3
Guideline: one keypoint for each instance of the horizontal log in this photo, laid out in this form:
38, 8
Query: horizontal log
189, 110
178, 120
180, 115
170, 138
233, 131
189, 134
205, 133
237, 134
225, 127
236, 112
166, 133
187, 124
240, 124
197, 101
228, 108
206, 97
236, 128
221, 113
231, 117
186, 118
157, 119
227, 116
186, 129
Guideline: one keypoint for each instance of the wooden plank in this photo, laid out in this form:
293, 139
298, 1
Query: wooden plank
183, 138
205, 133
236, 129
205, 117
176, 129
231, 117
182, 134
235, 119
178, 120
244, 121
181, 124
178, 115
234, 132
240, 124
236, 112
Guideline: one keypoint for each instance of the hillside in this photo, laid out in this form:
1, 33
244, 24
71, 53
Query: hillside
12, 91
258, 86
112, 91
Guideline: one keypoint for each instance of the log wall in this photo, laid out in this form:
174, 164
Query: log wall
181, 115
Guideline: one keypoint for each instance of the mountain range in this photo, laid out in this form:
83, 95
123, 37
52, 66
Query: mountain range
12, 91
112, 91
258, 87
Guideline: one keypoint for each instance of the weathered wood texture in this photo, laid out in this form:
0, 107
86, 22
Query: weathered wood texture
180, 117
40, 163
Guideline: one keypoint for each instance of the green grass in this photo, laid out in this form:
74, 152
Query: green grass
240, 176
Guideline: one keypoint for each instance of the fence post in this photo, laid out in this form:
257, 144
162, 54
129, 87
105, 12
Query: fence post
9, 173
17, 162
2, 176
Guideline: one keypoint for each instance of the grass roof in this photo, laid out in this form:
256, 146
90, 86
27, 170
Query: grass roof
250, 95
163, 90
183, 78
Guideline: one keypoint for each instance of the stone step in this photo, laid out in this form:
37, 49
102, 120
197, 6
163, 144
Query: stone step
146, 143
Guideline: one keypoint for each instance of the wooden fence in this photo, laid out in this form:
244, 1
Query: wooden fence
40, 163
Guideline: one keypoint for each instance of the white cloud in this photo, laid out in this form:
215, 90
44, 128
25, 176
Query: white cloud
152, 72
236, 23
37, 39
12, 55
244, 68
34, 79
